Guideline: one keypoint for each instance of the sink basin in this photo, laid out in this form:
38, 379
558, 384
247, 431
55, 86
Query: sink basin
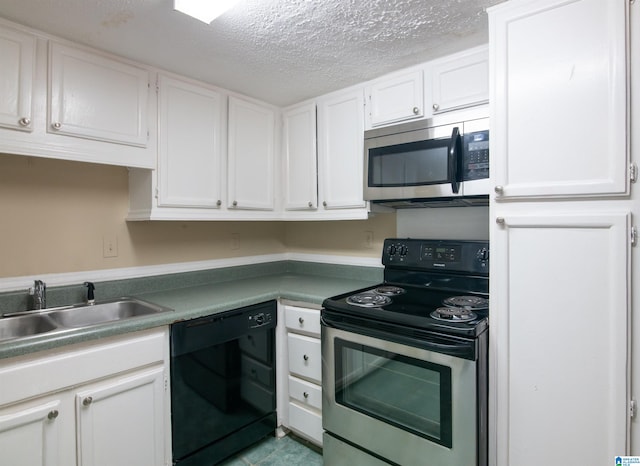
109, 311
25, 326
31, 323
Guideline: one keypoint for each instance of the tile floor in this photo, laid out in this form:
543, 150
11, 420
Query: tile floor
286, 451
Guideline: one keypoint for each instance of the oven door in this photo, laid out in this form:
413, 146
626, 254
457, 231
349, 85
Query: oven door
405, 404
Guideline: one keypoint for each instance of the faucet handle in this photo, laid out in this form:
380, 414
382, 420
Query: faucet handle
90, 289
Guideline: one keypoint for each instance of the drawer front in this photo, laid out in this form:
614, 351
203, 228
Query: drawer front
302, 320
307, 393
306, 423
305, 359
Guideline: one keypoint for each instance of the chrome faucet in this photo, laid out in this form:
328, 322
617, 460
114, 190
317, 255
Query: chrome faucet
39, 294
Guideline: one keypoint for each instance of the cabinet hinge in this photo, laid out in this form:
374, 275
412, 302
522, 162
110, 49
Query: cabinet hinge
156, 193
634, 236
166, 384
633, 172
633, 406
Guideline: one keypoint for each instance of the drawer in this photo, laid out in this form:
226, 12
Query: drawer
306, 423
305, 358
302, 320
307, 393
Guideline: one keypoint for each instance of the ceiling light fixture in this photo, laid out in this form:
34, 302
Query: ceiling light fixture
204, 10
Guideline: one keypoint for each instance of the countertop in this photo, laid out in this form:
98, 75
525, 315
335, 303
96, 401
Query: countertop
196, 301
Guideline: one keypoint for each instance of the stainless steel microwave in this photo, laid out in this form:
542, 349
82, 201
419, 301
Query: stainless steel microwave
409, 164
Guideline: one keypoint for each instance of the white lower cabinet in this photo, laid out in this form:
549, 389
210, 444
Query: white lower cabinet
97, 404
302, 381
31, 433
559, 335
103, 437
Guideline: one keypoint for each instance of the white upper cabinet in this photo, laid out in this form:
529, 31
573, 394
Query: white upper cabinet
251, 155
559, 107
17, 69
340, 150
190, 145
300, 157
70, 102
460, 80
395, 98
97, 97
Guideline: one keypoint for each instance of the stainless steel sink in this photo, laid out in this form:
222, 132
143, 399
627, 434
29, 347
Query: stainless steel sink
31, 323
85, 316
25, 326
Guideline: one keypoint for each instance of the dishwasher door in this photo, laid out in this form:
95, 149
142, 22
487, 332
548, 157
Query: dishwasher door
223, 392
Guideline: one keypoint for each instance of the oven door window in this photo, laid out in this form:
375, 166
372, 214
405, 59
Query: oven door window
408, 393
410, 164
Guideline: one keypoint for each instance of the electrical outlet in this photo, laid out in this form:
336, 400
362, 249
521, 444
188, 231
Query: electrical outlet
110, 246
368, 239
235, 241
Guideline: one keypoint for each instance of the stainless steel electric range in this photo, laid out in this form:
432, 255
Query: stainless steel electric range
404, 363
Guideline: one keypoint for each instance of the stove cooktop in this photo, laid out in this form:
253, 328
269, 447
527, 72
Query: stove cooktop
432, 285
413, 308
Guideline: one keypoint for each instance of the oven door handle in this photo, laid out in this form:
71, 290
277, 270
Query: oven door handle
455, 149
463, 349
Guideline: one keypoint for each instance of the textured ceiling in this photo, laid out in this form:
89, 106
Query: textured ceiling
280, 51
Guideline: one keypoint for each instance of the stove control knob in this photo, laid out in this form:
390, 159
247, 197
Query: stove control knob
403, 250
483, 255
391, 250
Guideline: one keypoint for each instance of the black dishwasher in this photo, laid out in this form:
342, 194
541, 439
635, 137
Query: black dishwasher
223, 383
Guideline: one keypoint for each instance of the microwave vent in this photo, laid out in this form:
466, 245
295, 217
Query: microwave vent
468, 201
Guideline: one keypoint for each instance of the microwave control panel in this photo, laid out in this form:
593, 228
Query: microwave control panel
476, 155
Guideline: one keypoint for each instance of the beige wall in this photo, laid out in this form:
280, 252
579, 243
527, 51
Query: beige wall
56, 216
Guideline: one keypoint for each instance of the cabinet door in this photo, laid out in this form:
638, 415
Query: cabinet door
31, 433
121, 421
96, 97
397, 98
251, 155
341, 149
17, 64
559, 342
460, 81
190, 149
300, 152
559, 116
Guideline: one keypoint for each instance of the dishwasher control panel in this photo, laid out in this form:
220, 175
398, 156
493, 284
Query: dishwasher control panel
260, 319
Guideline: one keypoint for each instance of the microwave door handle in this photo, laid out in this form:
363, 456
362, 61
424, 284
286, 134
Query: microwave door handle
454, 154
